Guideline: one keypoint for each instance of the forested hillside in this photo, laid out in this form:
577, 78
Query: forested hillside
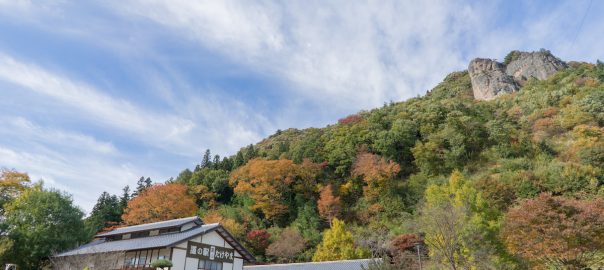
379, 171
511, 183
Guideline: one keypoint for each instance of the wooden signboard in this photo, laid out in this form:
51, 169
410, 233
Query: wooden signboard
209, 252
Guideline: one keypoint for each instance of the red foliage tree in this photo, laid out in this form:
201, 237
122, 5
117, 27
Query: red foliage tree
351, 119
555, 232
258, 241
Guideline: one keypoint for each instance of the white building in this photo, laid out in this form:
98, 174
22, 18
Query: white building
187, 243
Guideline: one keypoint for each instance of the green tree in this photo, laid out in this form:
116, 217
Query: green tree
40, 223
106, 211
308, 223
125, 197
338, 244
206, 161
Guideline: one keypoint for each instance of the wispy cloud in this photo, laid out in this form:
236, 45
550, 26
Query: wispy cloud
163, 129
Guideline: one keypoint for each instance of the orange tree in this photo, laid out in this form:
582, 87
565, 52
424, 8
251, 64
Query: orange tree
272, 183
329, 205
160, 202
557, 232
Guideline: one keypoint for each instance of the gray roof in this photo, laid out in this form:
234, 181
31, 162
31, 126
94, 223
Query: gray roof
164, 240
152, 226
333, 265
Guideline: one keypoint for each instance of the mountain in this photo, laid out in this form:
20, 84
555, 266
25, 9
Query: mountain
513, 130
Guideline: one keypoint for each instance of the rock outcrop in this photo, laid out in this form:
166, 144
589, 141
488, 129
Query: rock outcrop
491, 78
539, 65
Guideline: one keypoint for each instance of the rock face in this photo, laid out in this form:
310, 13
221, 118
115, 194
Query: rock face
539, 65
491, 78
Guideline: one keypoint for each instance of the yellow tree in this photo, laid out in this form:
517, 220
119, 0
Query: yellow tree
160, 202
338, 244
12, 183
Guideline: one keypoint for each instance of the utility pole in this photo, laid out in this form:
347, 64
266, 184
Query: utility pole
419, 257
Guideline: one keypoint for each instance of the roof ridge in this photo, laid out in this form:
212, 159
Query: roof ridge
132, 227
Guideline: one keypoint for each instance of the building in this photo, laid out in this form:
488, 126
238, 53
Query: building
333, 265
187, 242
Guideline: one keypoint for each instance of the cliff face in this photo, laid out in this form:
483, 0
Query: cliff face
491, 78
539, 65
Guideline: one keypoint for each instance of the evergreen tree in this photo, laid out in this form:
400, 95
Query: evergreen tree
226, 164
250, 153
206, 161
106, 211
142, 184
125, 197
216, 162
239, 160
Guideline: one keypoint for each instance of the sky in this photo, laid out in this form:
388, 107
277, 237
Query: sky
95, 94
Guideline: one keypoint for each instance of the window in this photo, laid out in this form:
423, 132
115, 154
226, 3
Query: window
142, 260
209, 265
169, 230
139, 234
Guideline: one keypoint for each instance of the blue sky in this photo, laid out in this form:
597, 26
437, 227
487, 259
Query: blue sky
95, 94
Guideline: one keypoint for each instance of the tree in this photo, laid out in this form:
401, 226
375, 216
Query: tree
258, 240
444, 226
125, 198
338, 244
12, 184
216, 162
557, 232
329, 205
460, 229
269, 184
40, 223
141, 185
378, 174
206, 161
160, 202
289, 244
106, 211
308, 223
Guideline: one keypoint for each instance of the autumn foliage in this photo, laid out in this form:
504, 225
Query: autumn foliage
557, 232
270, 182
329, 205
160, 202
377, 172
258, 240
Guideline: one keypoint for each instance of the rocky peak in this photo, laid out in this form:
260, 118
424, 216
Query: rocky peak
540, 65
491, 78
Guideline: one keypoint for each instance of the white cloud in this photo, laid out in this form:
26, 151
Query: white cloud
154, 127
23, 129
83, 177
340, 53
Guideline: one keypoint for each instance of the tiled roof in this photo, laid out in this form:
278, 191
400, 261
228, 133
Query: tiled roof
164, 240
333, 265
152, 226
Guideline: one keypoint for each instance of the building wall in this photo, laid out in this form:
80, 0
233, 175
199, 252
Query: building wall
212, 238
